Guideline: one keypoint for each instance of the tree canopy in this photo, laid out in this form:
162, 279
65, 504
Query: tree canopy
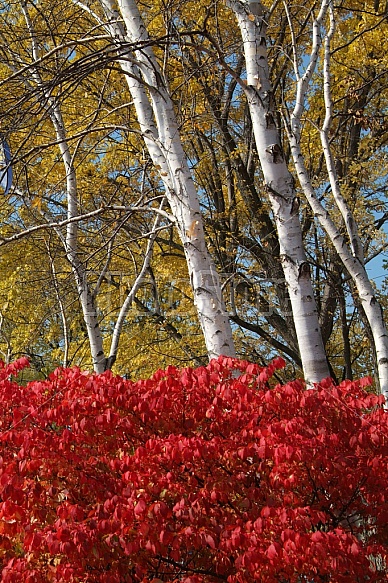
92, 234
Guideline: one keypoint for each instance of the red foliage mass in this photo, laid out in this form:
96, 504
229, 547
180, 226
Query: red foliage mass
198, 475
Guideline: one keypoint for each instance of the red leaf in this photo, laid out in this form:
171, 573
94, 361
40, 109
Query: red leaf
272, 552
210, 541
140, 507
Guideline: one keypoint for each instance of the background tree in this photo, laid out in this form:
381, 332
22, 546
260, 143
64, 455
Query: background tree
202, 64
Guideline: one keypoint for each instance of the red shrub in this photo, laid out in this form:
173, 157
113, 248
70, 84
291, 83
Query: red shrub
193, 475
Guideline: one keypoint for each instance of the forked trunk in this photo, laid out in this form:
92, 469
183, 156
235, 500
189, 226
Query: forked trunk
280, 189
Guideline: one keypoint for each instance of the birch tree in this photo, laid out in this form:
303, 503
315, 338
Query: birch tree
212, 313
188, 77
280, 188
346, 242
35, 84
158, 126
70, 240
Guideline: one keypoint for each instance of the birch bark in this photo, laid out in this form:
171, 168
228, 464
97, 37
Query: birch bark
280, 188
71, 239
351, 252
158, 124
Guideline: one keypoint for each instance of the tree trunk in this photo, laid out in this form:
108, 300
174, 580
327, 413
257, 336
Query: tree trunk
158, 124
70, 241
350, 254
280, 188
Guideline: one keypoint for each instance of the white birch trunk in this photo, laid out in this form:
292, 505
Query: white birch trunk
352, 264
71, 239
280, 188
351, 254
62, 309
86, 298
158, 124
